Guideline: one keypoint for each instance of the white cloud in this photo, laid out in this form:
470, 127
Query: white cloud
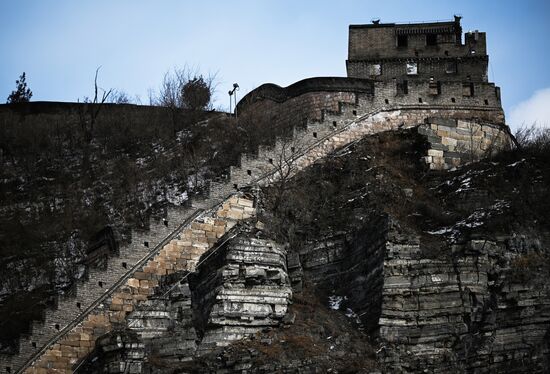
536, 109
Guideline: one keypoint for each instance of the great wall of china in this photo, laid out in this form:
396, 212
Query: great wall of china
460, 120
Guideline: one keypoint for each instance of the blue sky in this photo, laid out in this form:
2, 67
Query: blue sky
59, 44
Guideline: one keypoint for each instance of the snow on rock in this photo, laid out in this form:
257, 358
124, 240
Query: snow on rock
335, 301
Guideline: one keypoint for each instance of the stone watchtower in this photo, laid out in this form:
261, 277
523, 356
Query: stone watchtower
424, 74
404, 53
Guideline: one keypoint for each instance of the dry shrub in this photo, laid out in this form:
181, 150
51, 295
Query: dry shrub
533, 140
529, 266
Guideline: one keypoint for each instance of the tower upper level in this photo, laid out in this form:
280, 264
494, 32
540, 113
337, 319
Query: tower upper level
432, 50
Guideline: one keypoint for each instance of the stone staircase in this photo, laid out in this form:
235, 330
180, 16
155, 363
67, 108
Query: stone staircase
68, 333
144, 243
98, 282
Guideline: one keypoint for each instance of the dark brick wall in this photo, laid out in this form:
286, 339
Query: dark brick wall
378, 44
296, 110
484, 94
474, 67
304, 100
369, 43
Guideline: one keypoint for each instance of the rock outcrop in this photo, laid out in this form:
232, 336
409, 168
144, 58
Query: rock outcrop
240, 290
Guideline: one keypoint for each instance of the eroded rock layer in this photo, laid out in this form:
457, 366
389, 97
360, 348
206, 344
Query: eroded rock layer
240, 289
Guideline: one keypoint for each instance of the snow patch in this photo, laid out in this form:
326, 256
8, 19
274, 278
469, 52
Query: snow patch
335, 301
516, 163
476, 219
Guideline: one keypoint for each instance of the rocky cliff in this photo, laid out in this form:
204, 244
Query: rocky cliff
369, 263
374, 247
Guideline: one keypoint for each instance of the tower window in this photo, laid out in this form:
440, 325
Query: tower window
467, 89
412, 68
435, 87
402, 87
450, 67
431, 39
374, 69
402, 41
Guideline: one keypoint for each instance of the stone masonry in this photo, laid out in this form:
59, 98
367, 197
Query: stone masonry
455, 142
181, 253
98, 281
417, 51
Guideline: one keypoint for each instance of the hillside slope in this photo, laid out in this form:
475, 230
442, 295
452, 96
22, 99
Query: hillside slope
393, 268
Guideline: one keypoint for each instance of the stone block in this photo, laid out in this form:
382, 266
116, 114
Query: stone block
435, 153
234, 214
245, 202
449, 141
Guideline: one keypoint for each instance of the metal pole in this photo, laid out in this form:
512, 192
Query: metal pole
235, 89
236, 114
230, 93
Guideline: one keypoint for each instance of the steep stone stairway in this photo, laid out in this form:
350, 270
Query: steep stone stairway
68, 333
96, 287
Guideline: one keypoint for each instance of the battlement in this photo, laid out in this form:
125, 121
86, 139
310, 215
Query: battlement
311, 99
417, 51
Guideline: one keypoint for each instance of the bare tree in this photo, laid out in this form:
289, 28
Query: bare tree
286, 164
185, 88
195, 158
482, 143
87, 116
119, 97
533, 138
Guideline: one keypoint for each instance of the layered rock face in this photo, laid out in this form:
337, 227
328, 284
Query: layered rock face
464, 312
239, 290
446, 273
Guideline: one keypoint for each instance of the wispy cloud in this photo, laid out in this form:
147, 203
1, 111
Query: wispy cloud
535, 110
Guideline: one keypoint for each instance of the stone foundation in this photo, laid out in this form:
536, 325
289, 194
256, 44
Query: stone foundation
455, 142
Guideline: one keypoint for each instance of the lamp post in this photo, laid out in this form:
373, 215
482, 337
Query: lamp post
233, 91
